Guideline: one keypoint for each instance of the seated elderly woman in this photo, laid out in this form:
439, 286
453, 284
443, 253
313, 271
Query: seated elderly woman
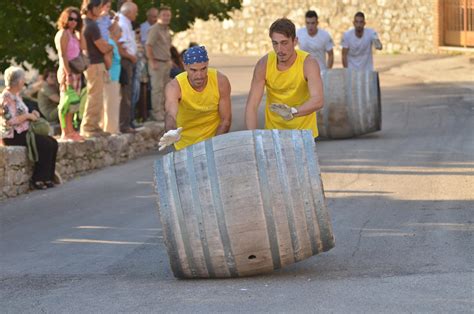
14, 123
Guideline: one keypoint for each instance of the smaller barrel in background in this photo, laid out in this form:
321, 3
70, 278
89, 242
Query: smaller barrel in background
352, 104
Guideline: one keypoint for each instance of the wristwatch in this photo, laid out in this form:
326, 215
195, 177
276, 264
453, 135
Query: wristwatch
294, 110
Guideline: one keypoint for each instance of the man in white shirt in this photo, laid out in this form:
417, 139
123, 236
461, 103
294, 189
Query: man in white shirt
357, 45
316, 41
151, 18
128, 51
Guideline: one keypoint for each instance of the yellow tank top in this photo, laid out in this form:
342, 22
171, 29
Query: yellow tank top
198, 112
288, 87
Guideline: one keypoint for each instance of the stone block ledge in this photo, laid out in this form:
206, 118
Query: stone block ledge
76, 158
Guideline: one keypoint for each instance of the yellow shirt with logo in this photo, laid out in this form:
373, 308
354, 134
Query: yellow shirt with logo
291, 88
198, 112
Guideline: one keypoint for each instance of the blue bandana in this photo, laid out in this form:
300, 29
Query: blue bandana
196, 54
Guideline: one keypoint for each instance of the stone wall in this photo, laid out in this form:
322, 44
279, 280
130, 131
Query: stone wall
405, 26
75, 158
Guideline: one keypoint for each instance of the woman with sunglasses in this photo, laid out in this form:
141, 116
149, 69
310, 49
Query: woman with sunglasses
68, 46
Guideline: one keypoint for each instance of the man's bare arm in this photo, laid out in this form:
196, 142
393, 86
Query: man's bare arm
315, 87
330, 59
256, 93
344, 56
172, 96
103, 45
225, 108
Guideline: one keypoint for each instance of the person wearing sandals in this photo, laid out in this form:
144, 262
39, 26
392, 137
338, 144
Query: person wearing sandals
14, 124
68, 47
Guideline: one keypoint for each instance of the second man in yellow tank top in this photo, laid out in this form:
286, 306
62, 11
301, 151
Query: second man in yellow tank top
197, 103
293, 82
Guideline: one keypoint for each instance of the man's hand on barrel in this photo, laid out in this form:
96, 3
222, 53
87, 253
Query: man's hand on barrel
285, 111
169, 138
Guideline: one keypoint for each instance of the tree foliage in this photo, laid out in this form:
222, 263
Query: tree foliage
29, 25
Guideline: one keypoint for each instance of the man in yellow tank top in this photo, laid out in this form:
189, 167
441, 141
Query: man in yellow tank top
293, 83
197, 103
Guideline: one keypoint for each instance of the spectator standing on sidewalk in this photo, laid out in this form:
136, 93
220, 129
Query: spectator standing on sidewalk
151, 18
120, 3
128, 14
140, 76
96, 74
158, 46
68, 46
112, 98
357, 45
316, 41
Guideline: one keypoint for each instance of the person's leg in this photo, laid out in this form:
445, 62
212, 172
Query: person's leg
47, 150
135, 93
142, 102
126, 90
163, 79
156, 86
17, 140
54, 147
107, 107
112, 107
95, 75
148, 98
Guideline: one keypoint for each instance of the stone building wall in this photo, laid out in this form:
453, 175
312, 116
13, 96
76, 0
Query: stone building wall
404, 26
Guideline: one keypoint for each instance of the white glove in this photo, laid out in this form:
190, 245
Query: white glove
169, 138
285, 111
376, 41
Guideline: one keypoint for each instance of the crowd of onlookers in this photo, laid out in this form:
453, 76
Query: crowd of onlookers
123, 97
111, 78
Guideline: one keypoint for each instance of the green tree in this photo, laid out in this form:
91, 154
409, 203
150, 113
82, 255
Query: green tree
29, 25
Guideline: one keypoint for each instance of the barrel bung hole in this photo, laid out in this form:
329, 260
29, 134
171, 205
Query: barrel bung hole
252, 257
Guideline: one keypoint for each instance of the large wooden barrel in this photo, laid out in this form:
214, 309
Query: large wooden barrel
352, 104
242, 204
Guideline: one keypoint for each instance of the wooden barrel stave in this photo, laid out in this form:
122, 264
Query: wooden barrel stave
236, 218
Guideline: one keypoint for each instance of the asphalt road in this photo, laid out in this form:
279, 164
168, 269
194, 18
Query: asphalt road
402, 207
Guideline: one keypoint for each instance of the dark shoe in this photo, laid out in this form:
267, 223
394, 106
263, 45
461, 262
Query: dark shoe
38, 185
49, 184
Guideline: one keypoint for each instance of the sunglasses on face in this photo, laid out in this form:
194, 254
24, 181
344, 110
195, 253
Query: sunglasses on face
70, 19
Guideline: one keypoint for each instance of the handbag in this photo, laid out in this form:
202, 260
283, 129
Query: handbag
38, 127
79, 64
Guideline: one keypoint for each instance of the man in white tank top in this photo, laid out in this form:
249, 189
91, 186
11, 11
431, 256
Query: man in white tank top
316, 41
357, 45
